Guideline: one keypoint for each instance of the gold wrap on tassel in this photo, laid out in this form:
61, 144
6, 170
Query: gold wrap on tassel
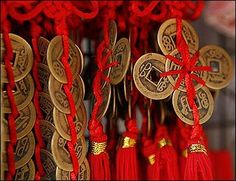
185, 153
197, 148
163, 142
97, 148
127, 142
152, 159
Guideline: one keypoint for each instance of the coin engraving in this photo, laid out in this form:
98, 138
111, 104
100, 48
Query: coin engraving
23, 94
48, 164
62, 156
54, 54
46, 106
204, 102
24, 123
43, 46
27, 172
166, 36
146, 76
62, 125
121, 54
43, 73
220, 62
170, 65
22, 59
60, 99
47, 130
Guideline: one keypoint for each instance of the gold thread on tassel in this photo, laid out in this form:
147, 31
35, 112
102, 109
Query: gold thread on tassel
163, 142
152, 159
197, 148
127, 142
97, 148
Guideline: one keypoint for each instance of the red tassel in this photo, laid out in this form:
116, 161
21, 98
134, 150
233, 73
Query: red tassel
126, 157
152, 165
168, 156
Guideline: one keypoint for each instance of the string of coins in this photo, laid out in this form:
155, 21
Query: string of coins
57, 111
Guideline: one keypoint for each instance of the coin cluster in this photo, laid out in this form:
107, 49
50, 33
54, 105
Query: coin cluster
148, 68
23, 94
57, 127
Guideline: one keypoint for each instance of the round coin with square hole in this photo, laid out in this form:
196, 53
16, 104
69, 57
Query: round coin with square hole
48, 164
43, 47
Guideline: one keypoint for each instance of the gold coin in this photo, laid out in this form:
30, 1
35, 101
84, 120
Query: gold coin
106, 96
54, 54
221, 63
166, 36
60, 99
48, 164
146, 76
43, 47
47, 130
82, 59
22, 59
112, 33
27, 172
84, 173
204, 102
62, 125
43, 73
170, 65
23, 94
62, 156
46, 106
24, 123
121, 54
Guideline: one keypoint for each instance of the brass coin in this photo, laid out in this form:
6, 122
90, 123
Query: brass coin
47, 130
121, 54
62, 125
46, 106
24, 123
128, 84
22, 59
84, 173
170, 65
221, 63
54, 54
62, 156
82, 59
60, 99
112, 33
43, 47
106, 94
204, 102
23, 94
49, 165
166, 36
43, 73
27, 172
146, 76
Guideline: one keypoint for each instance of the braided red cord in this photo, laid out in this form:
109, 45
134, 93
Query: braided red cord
8, 56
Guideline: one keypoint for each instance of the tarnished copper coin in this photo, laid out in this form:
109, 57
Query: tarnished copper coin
106, 94
170, 65
62, 125
166, 36
84, 173
22, 60
62, 156
43, 47
27, 172
24, 123
47, 130
121, 54
146, 76
23, 94
204, 102
46, 106
43, 73
60, 99
222, 66
24, 150
48, 164
54, 55
112, 33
